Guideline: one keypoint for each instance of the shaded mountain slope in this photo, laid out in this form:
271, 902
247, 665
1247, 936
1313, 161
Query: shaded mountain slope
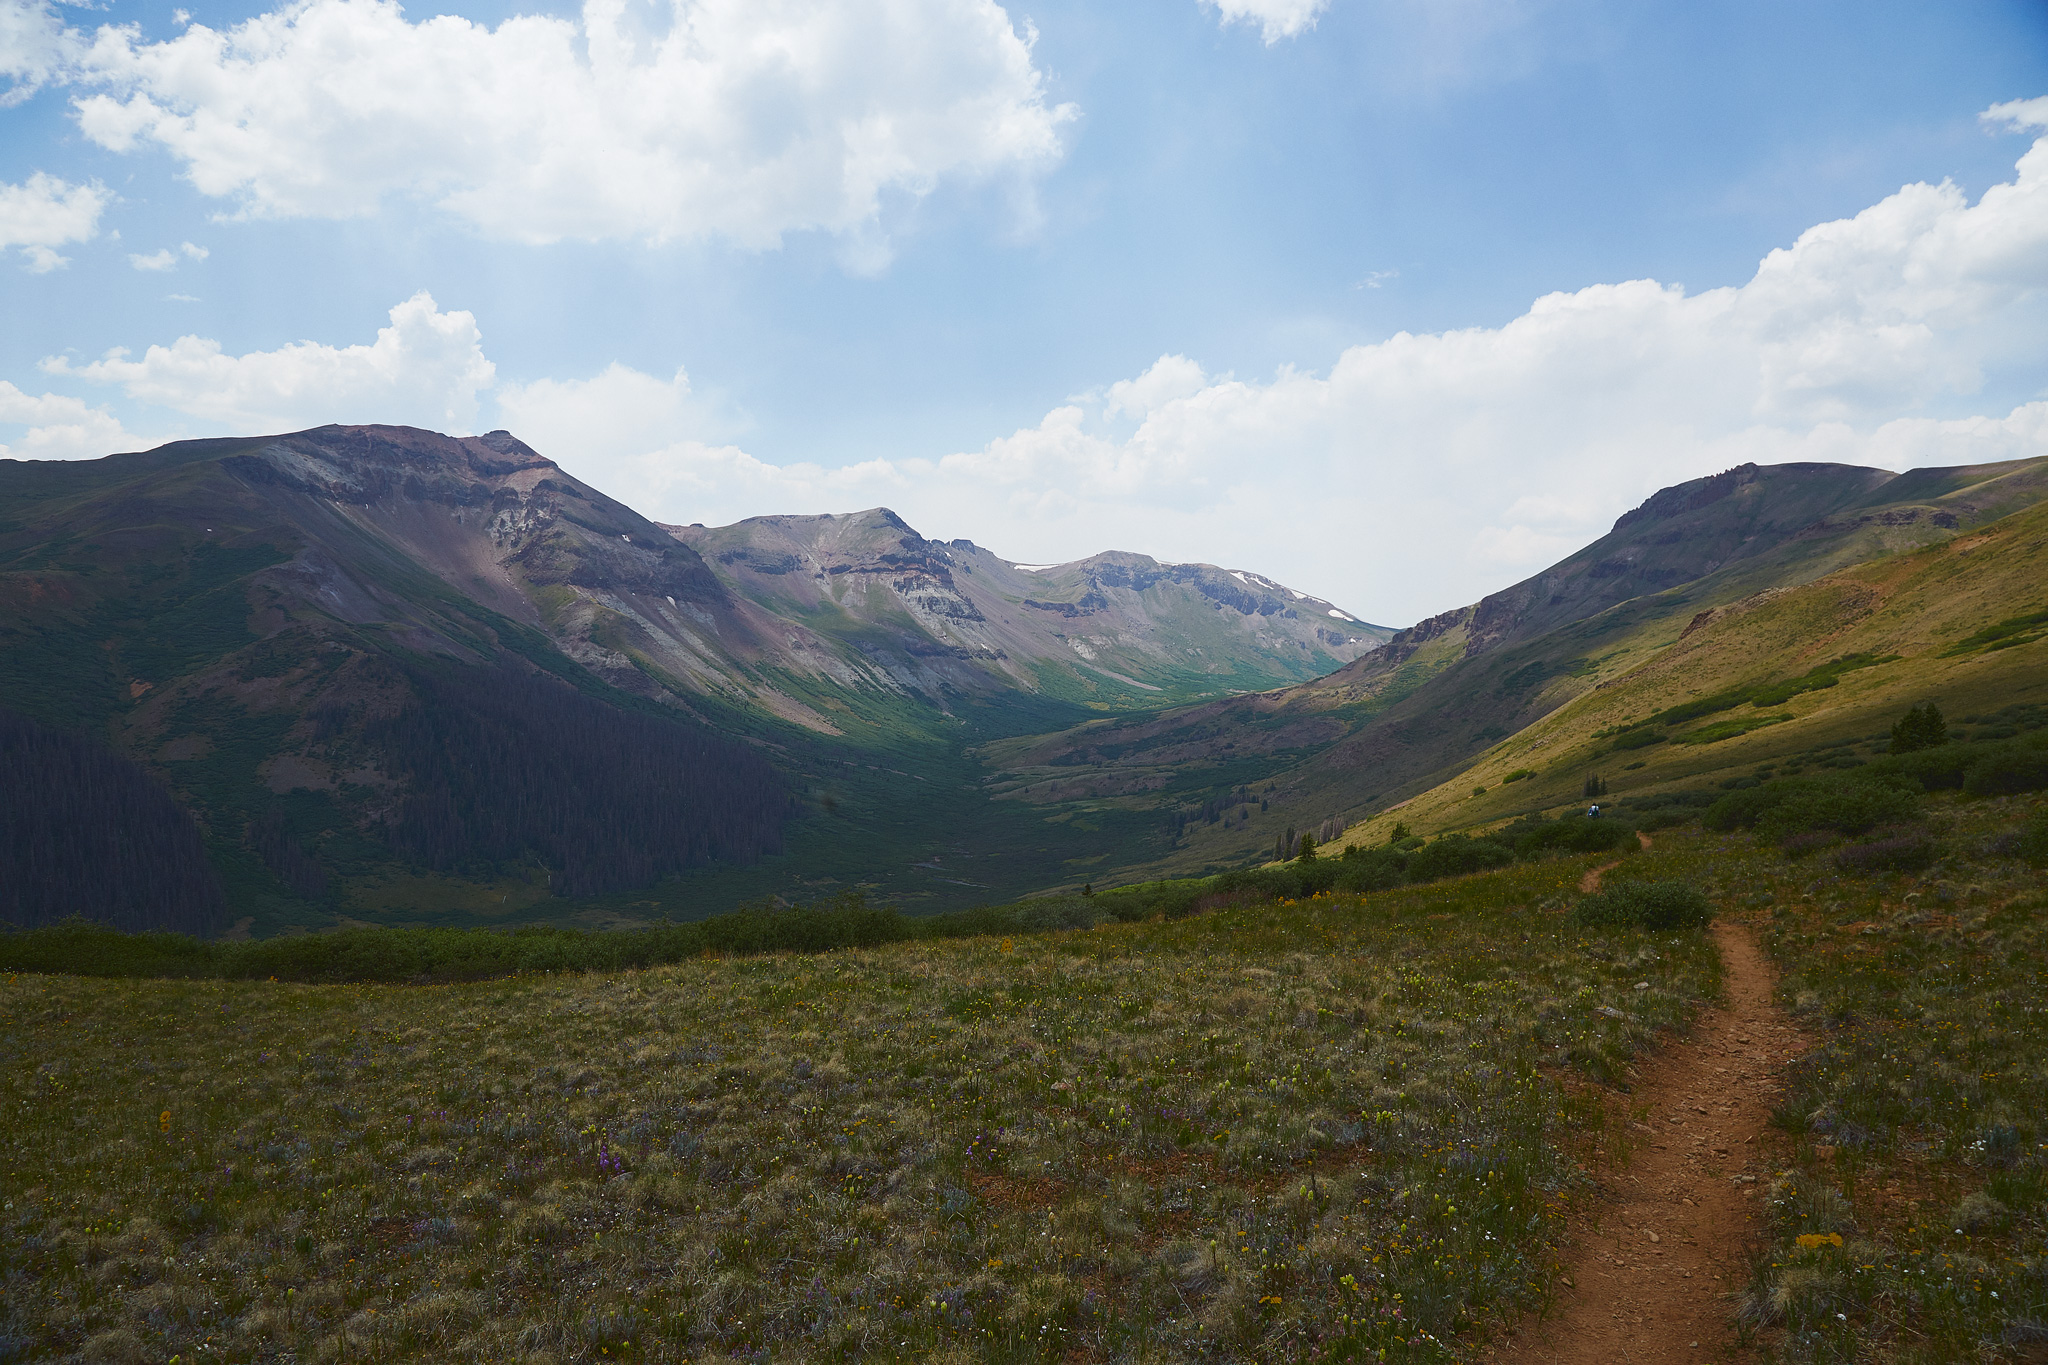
76, 819
319, 642
1397, 721
391, 671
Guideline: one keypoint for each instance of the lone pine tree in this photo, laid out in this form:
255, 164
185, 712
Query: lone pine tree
1922, 727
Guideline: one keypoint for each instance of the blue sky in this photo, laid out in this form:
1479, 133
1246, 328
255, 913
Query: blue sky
1059, 278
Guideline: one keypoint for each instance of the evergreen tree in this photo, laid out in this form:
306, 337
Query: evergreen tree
1922, 727
1305, 851
505, 764
87, 832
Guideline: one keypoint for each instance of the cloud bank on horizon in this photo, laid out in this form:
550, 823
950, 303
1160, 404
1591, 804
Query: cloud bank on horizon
1478, 454
1397, 477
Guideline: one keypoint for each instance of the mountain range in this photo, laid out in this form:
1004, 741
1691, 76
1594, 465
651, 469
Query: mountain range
380, 675
1442, 694
388, 668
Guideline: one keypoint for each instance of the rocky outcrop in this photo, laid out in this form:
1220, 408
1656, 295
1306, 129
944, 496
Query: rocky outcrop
1149, 625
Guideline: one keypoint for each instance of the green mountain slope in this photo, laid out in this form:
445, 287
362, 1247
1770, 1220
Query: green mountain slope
333, 647
1231, 778
1786, 680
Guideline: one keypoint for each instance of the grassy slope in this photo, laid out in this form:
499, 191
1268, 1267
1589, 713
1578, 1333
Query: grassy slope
1392, 730
1913, 1129
1916, 1126
1916, 606
1262, 1132
1293, 1130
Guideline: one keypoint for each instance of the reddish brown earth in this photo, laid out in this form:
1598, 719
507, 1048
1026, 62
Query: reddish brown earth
1656, 1260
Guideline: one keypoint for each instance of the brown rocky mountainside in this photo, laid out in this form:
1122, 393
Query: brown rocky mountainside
794, 613
353, 653
1115, 628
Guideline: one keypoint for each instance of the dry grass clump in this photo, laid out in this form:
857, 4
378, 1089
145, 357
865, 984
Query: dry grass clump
1332, 1128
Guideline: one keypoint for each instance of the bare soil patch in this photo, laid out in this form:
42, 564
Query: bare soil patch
1656, 1260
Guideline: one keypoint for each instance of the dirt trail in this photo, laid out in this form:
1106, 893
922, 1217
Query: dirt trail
1591, 881
1655, 1262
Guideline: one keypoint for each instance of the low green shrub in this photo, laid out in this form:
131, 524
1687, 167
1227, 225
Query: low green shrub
1645, 905
1985, 767
1663, 810
86, 949
2021, 768
1730, 729
1852, 803
1456, 854
1535, 837
1922, 727
1373, 869
2033, 841
1897, 850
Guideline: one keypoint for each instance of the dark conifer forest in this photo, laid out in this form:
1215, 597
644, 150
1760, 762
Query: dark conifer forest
85, 831
505, 766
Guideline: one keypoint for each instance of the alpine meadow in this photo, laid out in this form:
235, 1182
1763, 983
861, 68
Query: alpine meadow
1500, 818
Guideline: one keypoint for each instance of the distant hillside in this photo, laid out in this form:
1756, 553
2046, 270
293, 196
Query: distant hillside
332, 648
1786, 680
403, 677
1231, 777
928, 616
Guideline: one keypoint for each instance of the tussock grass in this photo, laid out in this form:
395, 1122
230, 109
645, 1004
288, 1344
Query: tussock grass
1336, 1127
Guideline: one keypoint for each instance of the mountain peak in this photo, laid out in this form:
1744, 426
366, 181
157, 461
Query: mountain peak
505, 443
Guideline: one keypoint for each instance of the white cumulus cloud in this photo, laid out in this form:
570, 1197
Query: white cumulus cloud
681, 119
425, 369
60, 427
36, 48
1423, 471
2019, 114
1276, 19
617, 410
167, 258
1408, 476
44, 212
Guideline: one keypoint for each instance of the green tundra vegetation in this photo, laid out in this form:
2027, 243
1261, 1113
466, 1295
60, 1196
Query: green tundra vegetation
1909, 1221
1340, 1124
1306, 1124
844, 921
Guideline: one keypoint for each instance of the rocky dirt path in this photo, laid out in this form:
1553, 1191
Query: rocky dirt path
1655, 1262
